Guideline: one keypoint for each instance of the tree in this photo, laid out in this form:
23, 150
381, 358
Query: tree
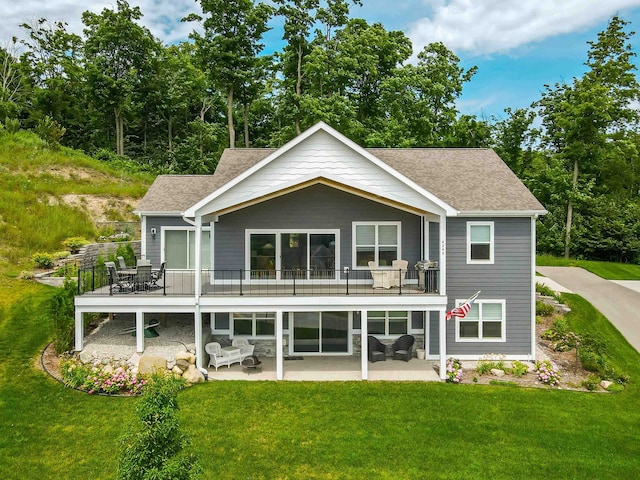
514, 139
11, 82
157, 449
230, 45
120, 56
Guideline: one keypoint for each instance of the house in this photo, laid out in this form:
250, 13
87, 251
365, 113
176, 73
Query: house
275, 247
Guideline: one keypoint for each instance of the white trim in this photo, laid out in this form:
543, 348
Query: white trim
139, 331
155, 213
364, 344
348, 352
279, 345
191, 211
442, 255
376, 246
386, 335
471, 357
79, 344
492, 247
501, 213
143, 237
278, 248
254, 335
443, 345
480, 321
193, 229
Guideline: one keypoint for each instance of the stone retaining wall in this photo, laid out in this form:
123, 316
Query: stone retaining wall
90, 253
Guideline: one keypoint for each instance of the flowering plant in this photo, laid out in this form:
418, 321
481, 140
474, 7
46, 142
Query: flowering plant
97, 380
454, 370
547, 373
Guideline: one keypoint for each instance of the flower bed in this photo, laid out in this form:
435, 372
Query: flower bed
98, 379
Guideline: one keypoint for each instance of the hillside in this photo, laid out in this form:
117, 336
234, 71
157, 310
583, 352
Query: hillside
49, 195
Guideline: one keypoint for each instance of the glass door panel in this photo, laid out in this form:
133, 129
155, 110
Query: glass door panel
322, 257
263, 255
294, 255
335, 332
175, 249
306, 332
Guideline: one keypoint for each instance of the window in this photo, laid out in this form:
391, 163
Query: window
480, 242
387, 323
484, 322
179, 248
377, 242
254, 324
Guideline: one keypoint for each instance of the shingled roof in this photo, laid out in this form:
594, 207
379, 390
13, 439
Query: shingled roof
468, 179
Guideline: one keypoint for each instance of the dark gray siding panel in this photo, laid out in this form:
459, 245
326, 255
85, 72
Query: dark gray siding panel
434, 241
434, 335
154, 248
315, 207
509, 278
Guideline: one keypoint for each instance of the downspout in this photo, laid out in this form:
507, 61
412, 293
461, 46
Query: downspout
197, 291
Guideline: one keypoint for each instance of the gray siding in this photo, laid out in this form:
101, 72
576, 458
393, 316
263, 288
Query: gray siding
509, 278
315, 207
434, 337
154, 250
434, 241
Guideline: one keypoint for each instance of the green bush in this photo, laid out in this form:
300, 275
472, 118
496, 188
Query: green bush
75, 243
26, 275
592, 382
60, 255
518, 369
50, 131
546, 291
12, 125
485, 366
61, 310
42, 260
544, 309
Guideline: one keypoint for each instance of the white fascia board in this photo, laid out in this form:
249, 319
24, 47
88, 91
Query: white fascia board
172, 213
191, 211
501, 213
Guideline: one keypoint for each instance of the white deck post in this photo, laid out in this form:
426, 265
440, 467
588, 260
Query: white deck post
279, 345
198, 330
443, 346
79, 330
442, 260
198, 258
364, 344
139, 331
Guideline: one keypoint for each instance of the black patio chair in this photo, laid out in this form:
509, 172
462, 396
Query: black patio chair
403, 348
377, 350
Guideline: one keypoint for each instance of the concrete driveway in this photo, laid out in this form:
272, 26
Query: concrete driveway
620, 304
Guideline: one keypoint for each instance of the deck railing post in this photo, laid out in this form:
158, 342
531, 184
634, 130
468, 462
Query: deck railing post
79, 276
400, 282
241, 282
347, 273
93, 278
295, 274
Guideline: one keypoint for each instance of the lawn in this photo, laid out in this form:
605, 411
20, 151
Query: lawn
607, 270
353, 430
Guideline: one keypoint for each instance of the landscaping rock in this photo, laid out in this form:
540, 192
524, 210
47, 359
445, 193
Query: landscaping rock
134, 360
496, 372
85, 357
193, 375
177, 370
188, 356
108, 369
151, 363
183, 364
605, 384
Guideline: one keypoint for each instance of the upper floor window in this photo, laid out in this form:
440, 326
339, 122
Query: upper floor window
480, 246
484, 322
378, 242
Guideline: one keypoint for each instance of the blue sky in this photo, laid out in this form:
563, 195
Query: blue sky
518, 46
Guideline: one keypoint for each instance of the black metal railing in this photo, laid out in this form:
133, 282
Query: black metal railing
240, 282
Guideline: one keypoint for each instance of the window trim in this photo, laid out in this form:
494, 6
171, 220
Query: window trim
254, 327
386, 334
480, 321
490, 260
190, 230
354, 244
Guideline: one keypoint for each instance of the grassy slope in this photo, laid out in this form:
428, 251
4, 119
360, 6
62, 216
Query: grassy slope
608, 270
300, 430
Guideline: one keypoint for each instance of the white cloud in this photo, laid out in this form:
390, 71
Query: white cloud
491, 26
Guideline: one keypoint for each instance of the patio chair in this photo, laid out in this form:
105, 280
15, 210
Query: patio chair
156, 275
403, 348
381, 278
398, 272
122, 264
216, 358
117, 281
142, 278
377, 350
246, 349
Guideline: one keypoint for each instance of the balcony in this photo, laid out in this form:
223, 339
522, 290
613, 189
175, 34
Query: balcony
96, 281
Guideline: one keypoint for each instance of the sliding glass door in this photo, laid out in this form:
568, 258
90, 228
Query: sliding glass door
321, 332
180, 249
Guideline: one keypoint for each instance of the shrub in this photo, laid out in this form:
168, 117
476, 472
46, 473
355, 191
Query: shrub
490, 361
454, 370
543, 309
547, 373
75, 243
61, 309
592, 382
518, 369
12, 125
26, 275
50, 131
60, 255
97, 380
42, 260
546, 291
562, 338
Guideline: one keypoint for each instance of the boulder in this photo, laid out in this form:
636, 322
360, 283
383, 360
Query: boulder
193, 375
496, 372
85, 357
134, 360
188, 356
183, 364
108, 369
605, 384
151, 363
177, 370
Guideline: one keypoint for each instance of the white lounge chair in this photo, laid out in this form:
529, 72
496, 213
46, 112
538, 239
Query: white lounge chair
246, 349
381, 278
216, 358
398, 272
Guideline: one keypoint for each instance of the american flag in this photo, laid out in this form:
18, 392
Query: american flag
461, 310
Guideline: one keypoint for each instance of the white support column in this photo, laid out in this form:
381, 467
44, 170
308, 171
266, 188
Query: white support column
442, 260
425, 248
139, 331
143, 236
198, 258
364, 343
79, 331
443, 346
279, 345
197, 320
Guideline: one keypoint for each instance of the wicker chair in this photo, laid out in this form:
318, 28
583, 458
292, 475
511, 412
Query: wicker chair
377, 350
403, 348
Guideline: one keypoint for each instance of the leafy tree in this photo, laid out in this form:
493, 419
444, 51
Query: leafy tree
514, 139
157, 449
119, 55
61, 311
11, 83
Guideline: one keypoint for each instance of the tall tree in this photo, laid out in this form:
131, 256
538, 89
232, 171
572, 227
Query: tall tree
11, 82
120, 56
230, 45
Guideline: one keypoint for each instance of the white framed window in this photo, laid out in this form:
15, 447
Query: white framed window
375, 241
387, 323
255, 325
179, 247
485, 322
480, 245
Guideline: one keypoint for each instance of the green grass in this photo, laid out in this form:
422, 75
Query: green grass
607, 270
299, 430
